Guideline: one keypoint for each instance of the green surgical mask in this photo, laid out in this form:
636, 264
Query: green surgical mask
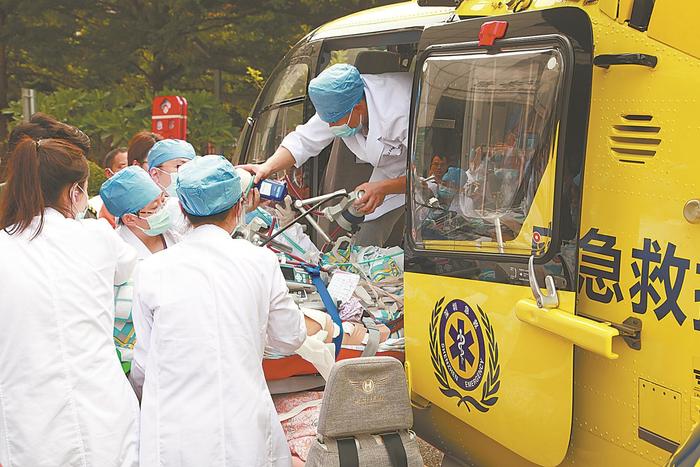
345, 130
158, 222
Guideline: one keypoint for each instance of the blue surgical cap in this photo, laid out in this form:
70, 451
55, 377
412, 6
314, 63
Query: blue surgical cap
169, 149
336, 91
453, 175
129, 191
208, 185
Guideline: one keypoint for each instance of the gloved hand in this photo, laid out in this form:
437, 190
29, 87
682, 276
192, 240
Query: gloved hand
253, 200
284, 213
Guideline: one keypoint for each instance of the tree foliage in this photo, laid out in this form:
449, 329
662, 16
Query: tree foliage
111, 116
96, 179
97, 62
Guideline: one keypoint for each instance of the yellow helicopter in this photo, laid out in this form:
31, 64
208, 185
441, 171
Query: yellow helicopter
552, 297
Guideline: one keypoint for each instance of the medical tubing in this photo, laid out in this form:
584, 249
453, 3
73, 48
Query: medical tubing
328, 302
395, 325
366, 261
377, 290
292, 187
299, 261
294, 244
301, 216
334, 236
296, 195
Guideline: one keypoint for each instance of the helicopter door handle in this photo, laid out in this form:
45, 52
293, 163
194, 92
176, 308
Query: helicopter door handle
548, 300
604, 61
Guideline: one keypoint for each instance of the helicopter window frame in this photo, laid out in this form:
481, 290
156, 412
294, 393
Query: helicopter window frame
556, 42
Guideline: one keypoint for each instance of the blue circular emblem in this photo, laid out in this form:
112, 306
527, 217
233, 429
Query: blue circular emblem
462, 345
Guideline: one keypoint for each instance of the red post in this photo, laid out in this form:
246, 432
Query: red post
169, 116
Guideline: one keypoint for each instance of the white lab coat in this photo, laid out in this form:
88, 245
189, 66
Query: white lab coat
203, 312
385, 146
96, 203
171, 237
64, 399
181, 225
123, 324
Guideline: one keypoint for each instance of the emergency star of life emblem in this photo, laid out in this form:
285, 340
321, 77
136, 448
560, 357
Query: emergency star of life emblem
464, 353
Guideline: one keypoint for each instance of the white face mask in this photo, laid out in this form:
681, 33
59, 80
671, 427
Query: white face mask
170, 189
173, 185
78, 213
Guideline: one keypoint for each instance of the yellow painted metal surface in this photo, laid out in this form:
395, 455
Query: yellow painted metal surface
624, 10
638, 176
481, 8
609, 7
642, 166
639, 173
695, 398
660, 410
532, 414
469, 8
585, 333
384, 18
676, 27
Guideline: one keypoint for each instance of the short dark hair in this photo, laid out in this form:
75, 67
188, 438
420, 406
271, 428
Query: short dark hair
139, 145
109, 158
213, 219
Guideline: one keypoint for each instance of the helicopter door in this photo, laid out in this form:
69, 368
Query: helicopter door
498, 133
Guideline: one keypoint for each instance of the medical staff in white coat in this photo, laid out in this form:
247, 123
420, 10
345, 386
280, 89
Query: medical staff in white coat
64, 399
370, 113
145, 224
204, 311
164, 160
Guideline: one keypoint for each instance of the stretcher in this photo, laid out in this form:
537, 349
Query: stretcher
294, 365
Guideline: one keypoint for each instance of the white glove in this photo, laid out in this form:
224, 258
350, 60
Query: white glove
318, 354
285, 215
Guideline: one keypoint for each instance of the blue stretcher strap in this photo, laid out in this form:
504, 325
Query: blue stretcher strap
328, 302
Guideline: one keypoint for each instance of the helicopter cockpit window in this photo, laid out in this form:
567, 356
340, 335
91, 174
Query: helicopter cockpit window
282, 109
482, 180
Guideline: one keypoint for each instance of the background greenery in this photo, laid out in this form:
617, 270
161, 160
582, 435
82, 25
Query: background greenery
97, 63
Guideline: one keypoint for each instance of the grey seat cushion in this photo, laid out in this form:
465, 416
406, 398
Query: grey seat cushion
365, 395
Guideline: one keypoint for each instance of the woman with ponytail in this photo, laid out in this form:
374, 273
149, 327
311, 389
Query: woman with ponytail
63, 397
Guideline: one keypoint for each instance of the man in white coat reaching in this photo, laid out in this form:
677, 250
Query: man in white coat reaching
370, 113
204, 310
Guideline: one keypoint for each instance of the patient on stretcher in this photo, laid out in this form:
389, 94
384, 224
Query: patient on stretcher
354, 333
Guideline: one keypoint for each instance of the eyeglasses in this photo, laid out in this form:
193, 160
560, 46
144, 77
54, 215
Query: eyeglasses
145, 214
165, 171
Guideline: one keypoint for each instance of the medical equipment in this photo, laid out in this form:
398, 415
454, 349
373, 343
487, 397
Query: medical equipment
297, 279
272, 190
299, 204
345, 214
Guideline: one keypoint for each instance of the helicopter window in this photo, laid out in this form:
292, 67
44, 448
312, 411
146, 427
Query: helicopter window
481, 174
290, 83
282, 110
272, 126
